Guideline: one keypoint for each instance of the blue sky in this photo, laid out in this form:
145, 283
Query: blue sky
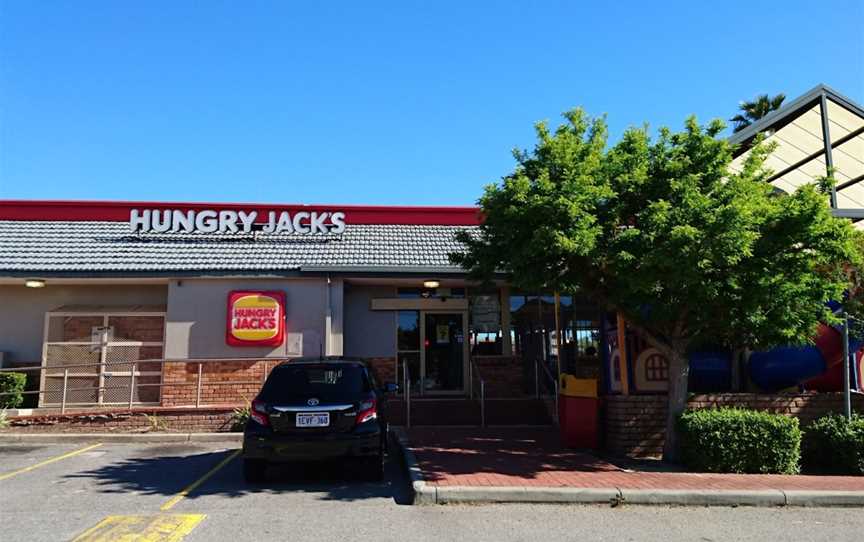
371, 102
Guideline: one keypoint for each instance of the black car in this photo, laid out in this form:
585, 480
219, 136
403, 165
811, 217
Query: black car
317, 409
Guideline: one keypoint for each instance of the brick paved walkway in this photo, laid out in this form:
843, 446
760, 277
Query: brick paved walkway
534, 457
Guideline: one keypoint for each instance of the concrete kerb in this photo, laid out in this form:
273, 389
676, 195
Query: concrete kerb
135, 438
423, 494
704, 497
429, 494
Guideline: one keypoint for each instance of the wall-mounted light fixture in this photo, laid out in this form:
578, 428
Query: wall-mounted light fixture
34, 283
431, 284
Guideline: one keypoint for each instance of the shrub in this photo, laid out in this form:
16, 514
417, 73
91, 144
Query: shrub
239, 419
12, 383
737, 440
834, 444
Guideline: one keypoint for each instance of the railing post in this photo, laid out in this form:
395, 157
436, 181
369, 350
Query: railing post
132, 386
198, 390
557, 421
407, 378
536, 380
63, 398
482, 403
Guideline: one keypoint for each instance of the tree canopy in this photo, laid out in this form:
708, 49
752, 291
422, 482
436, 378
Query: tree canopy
755, 110
661, 230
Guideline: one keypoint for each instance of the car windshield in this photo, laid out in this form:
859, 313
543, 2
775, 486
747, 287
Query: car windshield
326, 383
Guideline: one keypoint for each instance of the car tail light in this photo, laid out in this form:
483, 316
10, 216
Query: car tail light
368, 411
258, 412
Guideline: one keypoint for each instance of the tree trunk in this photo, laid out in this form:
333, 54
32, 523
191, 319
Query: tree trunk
679, 371
735, 366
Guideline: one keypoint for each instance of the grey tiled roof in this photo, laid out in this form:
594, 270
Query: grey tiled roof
27, 246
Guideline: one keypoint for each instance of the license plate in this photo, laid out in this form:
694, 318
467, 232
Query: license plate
313, 419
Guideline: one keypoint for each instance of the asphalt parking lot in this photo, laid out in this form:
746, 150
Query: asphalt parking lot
195, 492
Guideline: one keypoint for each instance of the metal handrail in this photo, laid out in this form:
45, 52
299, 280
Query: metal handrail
473, 369
406, 381
53, 371
552, 380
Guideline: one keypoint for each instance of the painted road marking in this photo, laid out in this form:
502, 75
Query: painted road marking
191, 487
152, 528
47, 462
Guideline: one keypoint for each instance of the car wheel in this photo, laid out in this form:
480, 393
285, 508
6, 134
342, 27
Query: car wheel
254, 470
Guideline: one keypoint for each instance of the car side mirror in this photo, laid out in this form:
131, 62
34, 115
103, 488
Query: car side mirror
390, 387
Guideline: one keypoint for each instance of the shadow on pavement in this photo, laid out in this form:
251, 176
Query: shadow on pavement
514, 452
167, 473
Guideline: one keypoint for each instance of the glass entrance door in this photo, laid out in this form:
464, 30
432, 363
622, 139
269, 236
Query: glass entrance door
443, 352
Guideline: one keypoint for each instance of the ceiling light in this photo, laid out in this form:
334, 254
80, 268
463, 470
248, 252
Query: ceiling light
431, 284
34, 283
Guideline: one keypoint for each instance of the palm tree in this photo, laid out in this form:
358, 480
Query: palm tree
755, 110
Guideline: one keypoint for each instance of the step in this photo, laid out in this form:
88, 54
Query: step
467, 412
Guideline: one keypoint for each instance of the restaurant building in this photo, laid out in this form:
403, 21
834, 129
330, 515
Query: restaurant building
219, 293
175, 305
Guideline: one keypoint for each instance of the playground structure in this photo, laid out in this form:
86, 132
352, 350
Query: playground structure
818, 367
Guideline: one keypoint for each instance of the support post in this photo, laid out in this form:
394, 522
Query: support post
558, 333
506, 342
482, 403
847, 392
132, 386
63, 398
826, 140
622, 354
198, 390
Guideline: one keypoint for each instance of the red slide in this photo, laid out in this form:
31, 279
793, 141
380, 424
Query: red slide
830, 343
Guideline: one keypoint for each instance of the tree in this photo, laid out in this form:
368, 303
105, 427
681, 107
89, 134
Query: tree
755, 110
688, 251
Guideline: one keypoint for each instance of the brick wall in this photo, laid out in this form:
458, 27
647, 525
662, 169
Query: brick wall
504, 376
222, 382
635, 425
128, 421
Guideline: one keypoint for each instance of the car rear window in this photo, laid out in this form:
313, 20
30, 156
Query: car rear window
326, 383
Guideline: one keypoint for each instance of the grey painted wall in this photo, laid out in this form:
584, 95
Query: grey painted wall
22, 311
197, 311
368, 333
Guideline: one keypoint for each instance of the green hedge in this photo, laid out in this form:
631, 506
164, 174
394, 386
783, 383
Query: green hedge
834, 444
12, 383
737, 440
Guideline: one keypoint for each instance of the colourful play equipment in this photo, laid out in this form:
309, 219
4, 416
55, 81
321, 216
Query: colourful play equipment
817, 368
579, 412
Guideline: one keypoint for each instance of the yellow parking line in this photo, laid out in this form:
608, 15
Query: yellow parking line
191, 487
152, 528
47, 462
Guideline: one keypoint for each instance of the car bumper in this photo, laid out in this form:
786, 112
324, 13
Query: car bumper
276, 447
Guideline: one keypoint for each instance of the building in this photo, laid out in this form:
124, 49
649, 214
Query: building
237, 288
191, 304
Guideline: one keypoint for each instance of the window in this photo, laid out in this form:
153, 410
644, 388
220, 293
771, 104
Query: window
656, 368
533, 330
327, 383
484, 323
408, 347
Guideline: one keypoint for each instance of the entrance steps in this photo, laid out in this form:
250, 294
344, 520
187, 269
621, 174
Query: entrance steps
464, 411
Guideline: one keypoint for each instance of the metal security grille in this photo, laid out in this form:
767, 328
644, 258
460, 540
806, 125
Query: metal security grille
101, 358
